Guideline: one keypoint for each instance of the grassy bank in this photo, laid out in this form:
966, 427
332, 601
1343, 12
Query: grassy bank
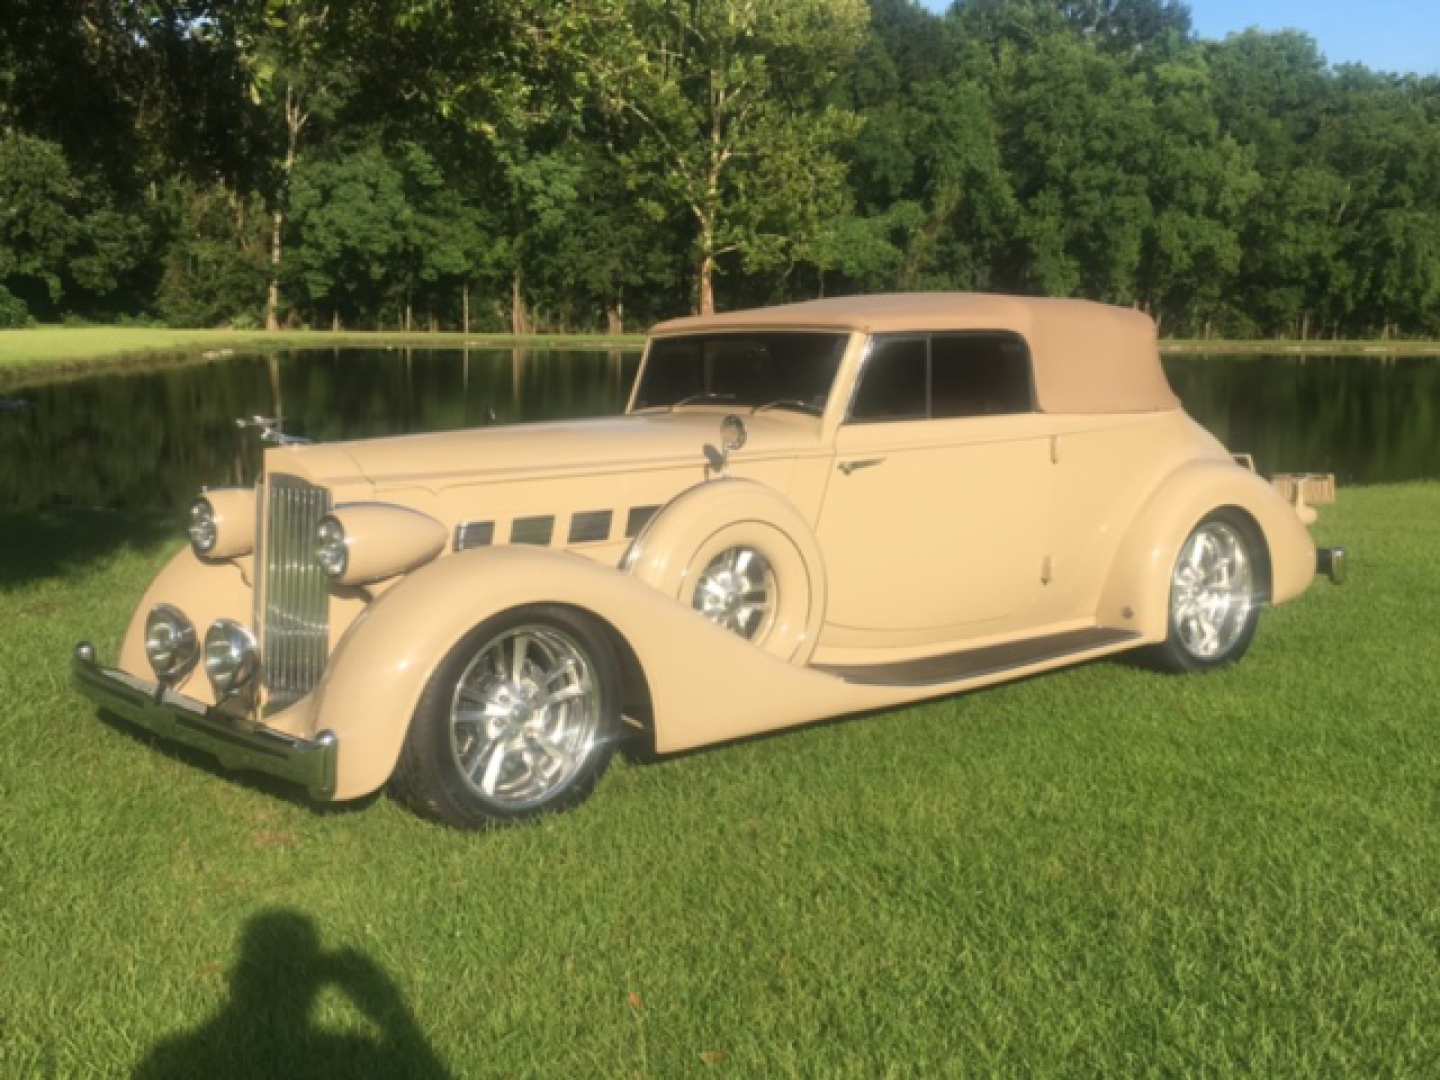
1313, 347
1102, 871
26, 354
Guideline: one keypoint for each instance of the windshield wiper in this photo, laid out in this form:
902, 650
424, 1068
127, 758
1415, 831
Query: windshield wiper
790, 403
704, 395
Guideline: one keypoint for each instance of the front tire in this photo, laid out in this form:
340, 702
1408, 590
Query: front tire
520, 719
1215, 595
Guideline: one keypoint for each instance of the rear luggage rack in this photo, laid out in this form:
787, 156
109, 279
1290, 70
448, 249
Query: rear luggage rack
1317, 489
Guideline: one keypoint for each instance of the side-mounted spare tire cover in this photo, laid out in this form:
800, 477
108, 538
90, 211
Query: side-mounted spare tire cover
741, 529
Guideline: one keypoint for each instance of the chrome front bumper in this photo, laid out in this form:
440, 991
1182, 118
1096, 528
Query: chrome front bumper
308, 762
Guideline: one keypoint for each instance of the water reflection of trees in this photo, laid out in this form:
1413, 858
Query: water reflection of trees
148, 441
1368, 420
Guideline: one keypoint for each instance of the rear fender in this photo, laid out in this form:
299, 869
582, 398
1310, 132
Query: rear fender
1137, 590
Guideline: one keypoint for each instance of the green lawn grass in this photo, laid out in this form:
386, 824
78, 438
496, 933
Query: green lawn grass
43, 350
1292, 347
1101, 871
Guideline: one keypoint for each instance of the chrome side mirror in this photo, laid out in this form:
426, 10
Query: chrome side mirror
732, 437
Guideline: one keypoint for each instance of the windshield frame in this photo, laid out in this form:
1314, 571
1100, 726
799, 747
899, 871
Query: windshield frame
841, 339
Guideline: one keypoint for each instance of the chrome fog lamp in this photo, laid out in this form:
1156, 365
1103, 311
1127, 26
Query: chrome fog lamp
202, 527
232, 658
331, 551
170, 644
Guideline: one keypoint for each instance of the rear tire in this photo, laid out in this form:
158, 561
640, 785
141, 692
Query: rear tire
1216, 589
520, 719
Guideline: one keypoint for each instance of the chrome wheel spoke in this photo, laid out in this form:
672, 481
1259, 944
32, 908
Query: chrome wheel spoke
521, 646
484, 767
554, 753
558, 697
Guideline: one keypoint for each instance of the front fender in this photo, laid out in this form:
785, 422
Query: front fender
1137, 589
706, 685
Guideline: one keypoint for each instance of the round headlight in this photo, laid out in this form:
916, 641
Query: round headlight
232, 659
170, 644
331, 551
202, 528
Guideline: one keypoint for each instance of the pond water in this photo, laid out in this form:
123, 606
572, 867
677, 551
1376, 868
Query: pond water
148, 441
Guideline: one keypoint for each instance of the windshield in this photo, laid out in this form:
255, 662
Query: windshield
779, 370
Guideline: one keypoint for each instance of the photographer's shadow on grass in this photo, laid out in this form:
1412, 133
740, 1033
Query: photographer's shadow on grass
266, 1028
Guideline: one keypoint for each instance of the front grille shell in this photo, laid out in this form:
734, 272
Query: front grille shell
295, 611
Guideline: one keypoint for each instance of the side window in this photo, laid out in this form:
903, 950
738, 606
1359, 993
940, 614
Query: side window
979, 375
892, 386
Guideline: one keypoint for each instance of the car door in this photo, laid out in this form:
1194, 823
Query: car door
935, 515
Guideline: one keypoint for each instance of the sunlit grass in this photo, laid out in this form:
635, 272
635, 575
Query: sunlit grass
1101, 871
1296, 347
48, 349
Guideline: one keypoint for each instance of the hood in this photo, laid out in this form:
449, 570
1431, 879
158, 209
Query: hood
512, 451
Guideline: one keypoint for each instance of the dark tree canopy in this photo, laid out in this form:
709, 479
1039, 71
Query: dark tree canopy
603, 163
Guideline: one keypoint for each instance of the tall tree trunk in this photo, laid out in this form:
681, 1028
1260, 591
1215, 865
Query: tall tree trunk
295, 120
519, 316
272, 299
465, 307
706, 274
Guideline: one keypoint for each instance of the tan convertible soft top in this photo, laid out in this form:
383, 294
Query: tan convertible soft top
1089, 357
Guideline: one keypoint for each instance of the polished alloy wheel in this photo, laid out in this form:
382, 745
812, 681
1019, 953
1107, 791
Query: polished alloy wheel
525, 715
1212, 591
737, 591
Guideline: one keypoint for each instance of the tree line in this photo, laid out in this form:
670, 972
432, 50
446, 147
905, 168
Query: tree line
597, 164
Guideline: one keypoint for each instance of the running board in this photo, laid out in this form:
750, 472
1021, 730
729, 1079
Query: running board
973, 663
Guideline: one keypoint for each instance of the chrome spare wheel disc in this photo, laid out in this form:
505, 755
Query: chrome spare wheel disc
525, 715
737, 591
1211, 591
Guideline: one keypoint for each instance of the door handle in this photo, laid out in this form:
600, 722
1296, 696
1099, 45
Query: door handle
847, 467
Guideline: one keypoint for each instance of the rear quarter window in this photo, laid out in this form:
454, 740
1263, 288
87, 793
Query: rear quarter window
979, 374
944, 376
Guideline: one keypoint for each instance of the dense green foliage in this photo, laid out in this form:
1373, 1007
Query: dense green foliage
1097, 872
525, 164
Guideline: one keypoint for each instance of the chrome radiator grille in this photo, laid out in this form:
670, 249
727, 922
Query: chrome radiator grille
297, 594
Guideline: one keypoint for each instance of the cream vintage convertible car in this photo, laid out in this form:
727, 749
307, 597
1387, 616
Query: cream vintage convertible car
805, 511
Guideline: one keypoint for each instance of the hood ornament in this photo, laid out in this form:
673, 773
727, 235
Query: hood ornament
733, 436
270, 428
